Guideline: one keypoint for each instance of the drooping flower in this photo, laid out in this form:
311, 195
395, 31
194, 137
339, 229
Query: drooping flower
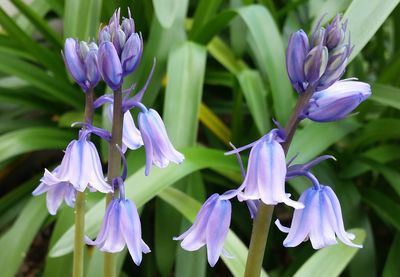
320, 220
80, 167
337, 101
82, 63
56, 192
131, 137
210, 228
266, 172
121, 225
158, 147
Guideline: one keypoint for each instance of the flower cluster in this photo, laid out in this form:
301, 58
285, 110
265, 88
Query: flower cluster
118, 54
314, 67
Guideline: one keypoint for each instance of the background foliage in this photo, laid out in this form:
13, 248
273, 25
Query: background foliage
220, 77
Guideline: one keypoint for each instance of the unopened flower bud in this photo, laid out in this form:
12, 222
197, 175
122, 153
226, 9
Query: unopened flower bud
110, 65
337, 101
335, 32
74, 62
318, 37
131, 54
128, 26
315, 64
336, 67
295, 57
92, 70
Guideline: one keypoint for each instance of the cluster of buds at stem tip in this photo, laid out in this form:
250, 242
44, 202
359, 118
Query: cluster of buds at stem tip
120, 50
81, 61
320, 61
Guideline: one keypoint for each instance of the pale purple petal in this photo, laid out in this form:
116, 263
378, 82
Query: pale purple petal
131, 229
217, 230
195, 236
55, 197
302, 221
131, 137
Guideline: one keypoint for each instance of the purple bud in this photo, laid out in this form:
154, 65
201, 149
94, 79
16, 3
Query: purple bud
315, 64
336, 66
318, 37
74, 62
295, 56
337, 101
335, 32
128, 26
92, 70
131, 54
104, 35
110, 65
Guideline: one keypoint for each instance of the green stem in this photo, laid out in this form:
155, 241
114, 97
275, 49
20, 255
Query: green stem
79, 244
114, 167
262, 222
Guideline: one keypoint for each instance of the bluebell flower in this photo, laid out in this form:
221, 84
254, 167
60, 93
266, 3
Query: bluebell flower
56, 191
266, 172
131, 137
82, 63
320, 220
158, 147
210, 228
337, 101
121, 226
80, 167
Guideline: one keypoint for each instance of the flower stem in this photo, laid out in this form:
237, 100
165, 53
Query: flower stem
79, 243
262, 222
114, 167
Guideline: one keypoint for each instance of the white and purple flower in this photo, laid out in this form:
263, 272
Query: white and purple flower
159, 149
210, 228
320, 220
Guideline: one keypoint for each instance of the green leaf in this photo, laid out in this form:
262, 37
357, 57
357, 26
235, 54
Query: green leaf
42, 55
82, 18
166, 11
315, 138
39, 23
55, 88
331, 261
254, 91
214, 124
204, 11
18, 238
30, 139
361, 26
189, 208
387, 209
380, 129
181, 104
392, 265
386, 95
141, 188
184, 92
268, 49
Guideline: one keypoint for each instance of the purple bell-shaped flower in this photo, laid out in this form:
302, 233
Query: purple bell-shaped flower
320, 220
210, 228
159, 149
